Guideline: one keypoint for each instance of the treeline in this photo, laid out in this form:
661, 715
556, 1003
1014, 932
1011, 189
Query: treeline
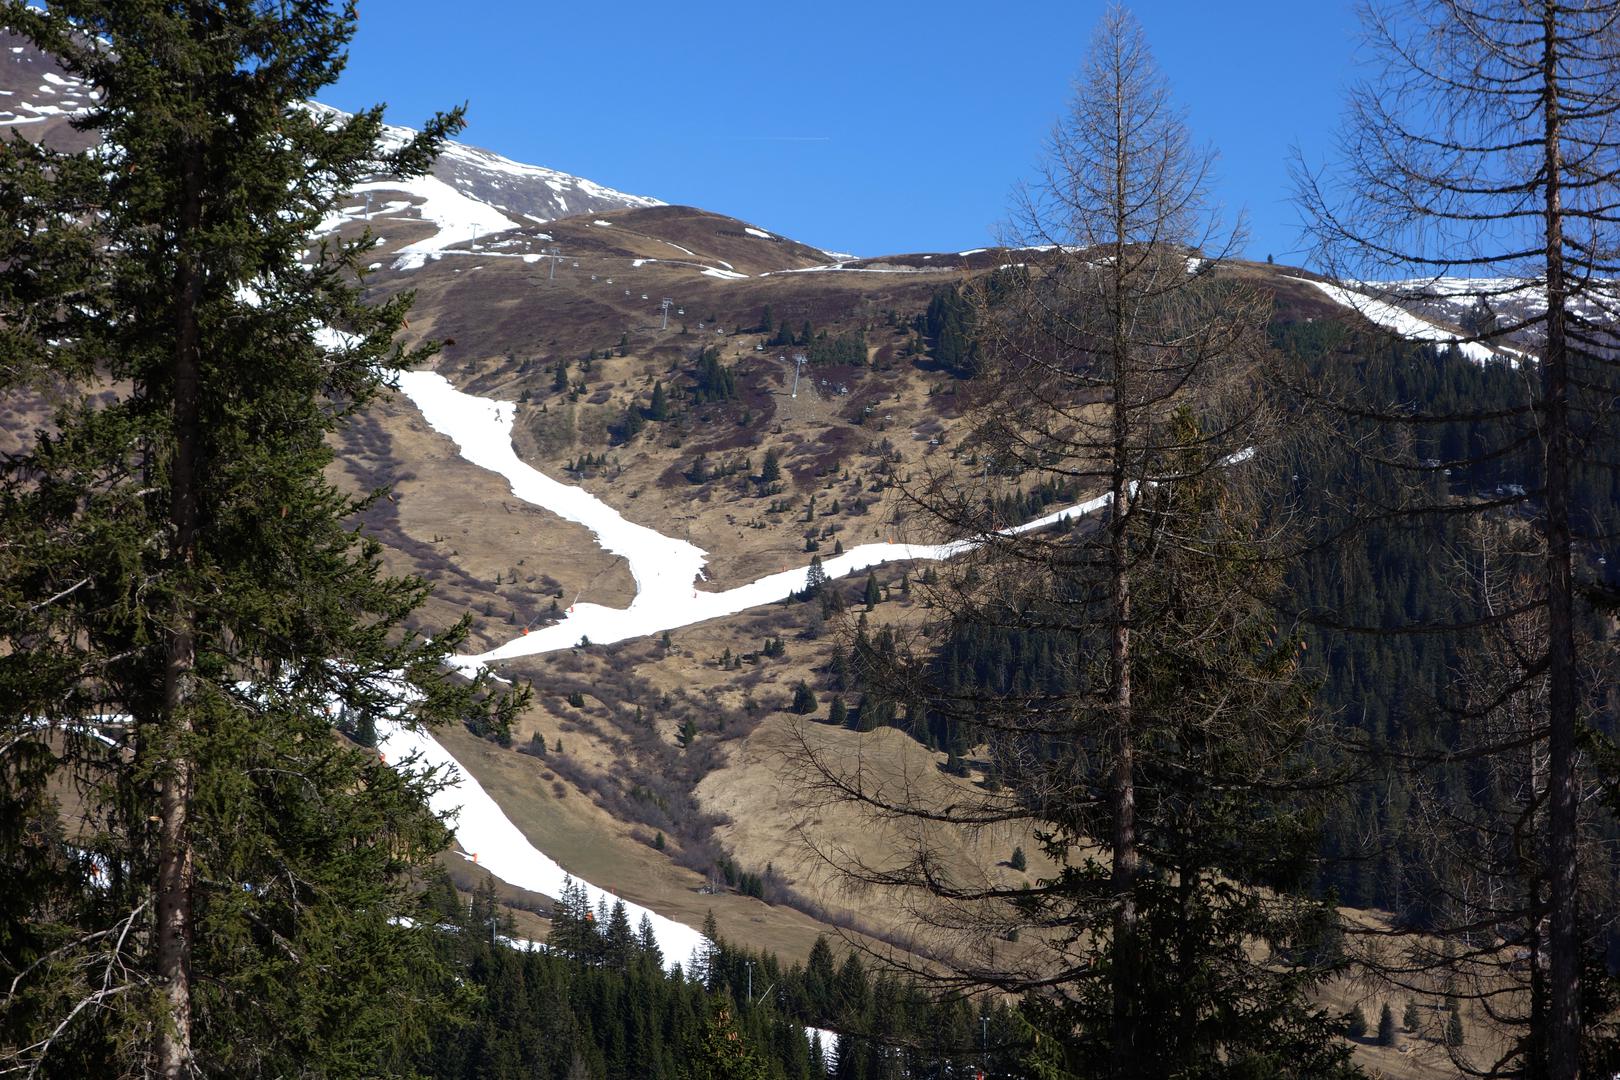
597, 1002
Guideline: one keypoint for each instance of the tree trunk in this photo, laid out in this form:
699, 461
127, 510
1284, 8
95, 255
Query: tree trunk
1563, 1044
174, 872
1125, 859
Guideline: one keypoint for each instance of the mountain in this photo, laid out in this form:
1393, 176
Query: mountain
523, 194
542, 489
39, 99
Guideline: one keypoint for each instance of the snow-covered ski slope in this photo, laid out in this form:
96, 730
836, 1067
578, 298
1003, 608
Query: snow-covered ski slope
493, 842
666, 572
1409, 326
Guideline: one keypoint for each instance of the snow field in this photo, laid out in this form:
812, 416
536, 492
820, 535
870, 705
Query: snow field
1403, 322
493, 842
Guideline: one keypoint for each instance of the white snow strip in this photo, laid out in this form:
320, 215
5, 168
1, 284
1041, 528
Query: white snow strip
494, 843
666, 570
751, 231
457, 158
841, 268
1403, 322
727, 275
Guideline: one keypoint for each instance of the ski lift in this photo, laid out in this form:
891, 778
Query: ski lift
680, 311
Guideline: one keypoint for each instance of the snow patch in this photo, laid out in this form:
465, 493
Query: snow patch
1403, 322
457, 218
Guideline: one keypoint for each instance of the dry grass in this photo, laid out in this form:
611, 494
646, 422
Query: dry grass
588, 841
460, 527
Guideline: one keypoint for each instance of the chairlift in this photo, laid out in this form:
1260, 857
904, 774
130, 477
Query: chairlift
644, 296
680, 311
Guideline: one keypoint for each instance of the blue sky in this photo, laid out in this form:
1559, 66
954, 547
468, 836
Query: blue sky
867, 127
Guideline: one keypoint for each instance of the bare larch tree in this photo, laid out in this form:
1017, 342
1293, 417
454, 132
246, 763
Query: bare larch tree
1484, 148
1156, 748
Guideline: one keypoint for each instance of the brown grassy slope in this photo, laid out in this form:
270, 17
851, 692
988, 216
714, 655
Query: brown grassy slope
486, 553
588, 841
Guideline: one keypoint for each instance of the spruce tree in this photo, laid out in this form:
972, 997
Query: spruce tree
722, 1053
705, 966
1454, 1034
619, 940
815, 579
176, 563
1386, 1026
804, 699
